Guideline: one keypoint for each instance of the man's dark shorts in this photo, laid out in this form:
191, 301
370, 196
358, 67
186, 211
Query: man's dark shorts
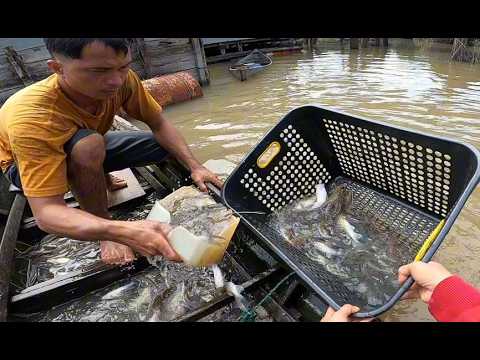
124, 149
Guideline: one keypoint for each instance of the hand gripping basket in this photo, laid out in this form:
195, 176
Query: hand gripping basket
416, 183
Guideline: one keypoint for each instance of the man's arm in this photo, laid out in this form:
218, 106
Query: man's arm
140, 104
54, 216
172, 141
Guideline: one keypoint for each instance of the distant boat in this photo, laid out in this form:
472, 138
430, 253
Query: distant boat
251, 64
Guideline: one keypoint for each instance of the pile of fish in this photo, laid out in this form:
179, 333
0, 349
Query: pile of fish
363, 252
155, 294
160, 293
57, 256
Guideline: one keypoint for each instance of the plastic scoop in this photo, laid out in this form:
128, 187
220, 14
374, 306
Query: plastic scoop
194, 250
159, 213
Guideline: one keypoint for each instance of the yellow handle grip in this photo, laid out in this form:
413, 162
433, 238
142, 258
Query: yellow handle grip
428, 242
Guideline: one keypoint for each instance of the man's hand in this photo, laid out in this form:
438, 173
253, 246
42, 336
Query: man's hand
343, 314
113, 253
148, 238
201, 175
426, 275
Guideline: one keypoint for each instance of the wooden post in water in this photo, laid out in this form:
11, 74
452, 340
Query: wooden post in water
353, 43
461, 52
364, 42
200, 61
381, 42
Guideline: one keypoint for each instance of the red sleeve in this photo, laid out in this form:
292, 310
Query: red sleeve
455, 300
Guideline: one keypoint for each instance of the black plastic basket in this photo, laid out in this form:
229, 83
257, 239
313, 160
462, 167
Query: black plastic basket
416, 183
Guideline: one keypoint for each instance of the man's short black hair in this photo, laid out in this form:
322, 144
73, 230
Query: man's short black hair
72, 47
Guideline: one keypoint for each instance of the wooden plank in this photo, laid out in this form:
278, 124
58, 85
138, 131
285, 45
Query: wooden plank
7, 197
30, 222
5, 94
139, 69
235, 41
169, 54
18, 65
62, 289
167, 51
157, 186
161, 42
39, 70
7, 247
35, 54
173, 68
8, 77
132, 191
181, 61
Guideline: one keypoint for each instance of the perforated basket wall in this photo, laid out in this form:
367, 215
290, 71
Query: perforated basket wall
410, 180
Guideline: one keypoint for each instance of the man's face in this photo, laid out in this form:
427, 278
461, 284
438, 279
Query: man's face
98, 74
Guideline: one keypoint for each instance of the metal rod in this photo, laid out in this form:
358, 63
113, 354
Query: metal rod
226, 299
271, 305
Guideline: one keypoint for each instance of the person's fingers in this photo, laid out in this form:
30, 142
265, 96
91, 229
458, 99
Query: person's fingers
164, 248
367, 320
411, 294
129, 256
347, 310
176, 258
363, 319
330, 312
404, 273
216, 181
201, 185
165, 228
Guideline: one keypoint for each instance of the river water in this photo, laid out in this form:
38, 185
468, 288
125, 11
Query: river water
402, 85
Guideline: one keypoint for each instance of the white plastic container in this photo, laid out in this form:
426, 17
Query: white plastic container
195, 250
159, 213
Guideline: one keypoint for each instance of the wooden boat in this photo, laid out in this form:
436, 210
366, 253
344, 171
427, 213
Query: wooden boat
249, 65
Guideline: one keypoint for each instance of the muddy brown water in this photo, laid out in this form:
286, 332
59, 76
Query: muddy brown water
414, 88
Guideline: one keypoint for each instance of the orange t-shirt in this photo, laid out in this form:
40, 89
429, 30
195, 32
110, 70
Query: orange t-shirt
38, 120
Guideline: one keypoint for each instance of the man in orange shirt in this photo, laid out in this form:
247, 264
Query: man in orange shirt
54, 136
